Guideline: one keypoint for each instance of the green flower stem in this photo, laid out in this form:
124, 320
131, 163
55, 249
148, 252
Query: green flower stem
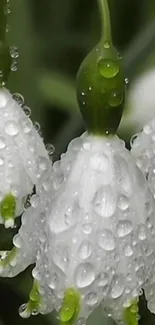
100, 84
3, 20
105, 18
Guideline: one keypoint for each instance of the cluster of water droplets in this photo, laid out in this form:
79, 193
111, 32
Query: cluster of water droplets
23, 156
14, 53
143, 150
94, 231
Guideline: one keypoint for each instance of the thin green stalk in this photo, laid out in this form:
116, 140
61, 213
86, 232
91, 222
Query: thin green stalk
105, 19
3, 19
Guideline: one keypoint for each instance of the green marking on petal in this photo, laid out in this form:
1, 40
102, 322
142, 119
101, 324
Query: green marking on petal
131, 315
35, 298
71, 307
34, 303
8, 207
10, 256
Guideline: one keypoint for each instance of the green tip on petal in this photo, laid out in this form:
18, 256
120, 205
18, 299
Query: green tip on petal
131, 315
101, 85
70, 307
34, 303
8, 209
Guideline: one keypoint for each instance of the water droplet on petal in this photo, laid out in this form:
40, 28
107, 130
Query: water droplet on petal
53, 281
84, 275
18, 98
91, 299
24, 312
124, 228
142, 233
117, 286
123, 203
85, 249
102, 279
26, 110
50, 148
26, 125
11, 128
37, 126
106, 240
128, 251
104, 202
108, 68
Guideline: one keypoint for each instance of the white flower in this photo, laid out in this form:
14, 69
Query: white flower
140, 102
143, 150
23, 157
93, 241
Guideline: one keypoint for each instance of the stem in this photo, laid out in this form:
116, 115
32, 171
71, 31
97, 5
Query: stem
105, 18
3, 19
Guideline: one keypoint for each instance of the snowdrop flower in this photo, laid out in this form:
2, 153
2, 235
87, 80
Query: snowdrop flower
91, 226
140, 102
23, 157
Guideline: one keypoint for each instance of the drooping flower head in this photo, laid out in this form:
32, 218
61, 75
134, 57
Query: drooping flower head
90, 228
23, 157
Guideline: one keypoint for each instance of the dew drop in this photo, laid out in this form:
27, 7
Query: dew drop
126, 81
108, 68
50, 148
18, 98
84, 275
37, 126
27, 110
53, 281
26, 125
43, 163
102, 279
87, 228
22, 309
85, 249
142, 232
115, 98
17, 241
123, 203
14, 52
124, 228
117, 286
106, 45
14, 66
133, 138
11, 128
91, 299
128, 251
106, 240
104, 202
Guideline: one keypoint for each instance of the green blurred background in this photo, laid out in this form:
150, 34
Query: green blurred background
53, 37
